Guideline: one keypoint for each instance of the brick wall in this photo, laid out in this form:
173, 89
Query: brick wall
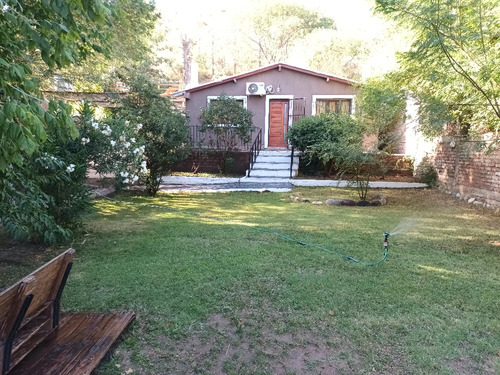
470, 175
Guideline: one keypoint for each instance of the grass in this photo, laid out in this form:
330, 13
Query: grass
214, 297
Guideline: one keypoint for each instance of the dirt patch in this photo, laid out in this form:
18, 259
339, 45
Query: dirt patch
467, 365
244, 345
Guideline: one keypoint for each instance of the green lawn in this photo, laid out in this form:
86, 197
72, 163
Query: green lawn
215, 297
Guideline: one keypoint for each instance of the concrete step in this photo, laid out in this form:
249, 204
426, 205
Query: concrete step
271, 174
274, 164
273, 167
276, 159
281, 152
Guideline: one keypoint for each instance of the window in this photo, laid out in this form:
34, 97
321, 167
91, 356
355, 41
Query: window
338, 104
240, 99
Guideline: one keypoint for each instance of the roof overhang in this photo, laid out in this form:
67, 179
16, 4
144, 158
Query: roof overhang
277, 66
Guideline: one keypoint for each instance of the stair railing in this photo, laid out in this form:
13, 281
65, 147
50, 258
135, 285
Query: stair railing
291, 165
254, 150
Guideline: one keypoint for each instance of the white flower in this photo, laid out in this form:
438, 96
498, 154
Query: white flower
95, 125
11, 166
85, 140
135, 178
127, 122
70, 168
132, 140
106, 131
113, 143
126, 144
126, 181
137, 150
122, 138
5, 8
139, 126
124, 174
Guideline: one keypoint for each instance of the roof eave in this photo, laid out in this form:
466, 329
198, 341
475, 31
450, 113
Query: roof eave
279, 66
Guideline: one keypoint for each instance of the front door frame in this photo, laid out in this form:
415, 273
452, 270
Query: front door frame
266, 123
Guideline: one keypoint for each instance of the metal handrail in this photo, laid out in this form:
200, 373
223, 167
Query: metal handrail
254, 150
291, 165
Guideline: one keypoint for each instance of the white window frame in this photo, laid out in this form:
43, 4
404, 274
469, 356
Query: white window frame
315, 97
240, 97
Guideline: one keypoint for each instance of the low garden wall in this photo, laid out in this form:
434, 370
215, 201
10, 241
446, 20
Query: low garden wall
209, 161
468, 174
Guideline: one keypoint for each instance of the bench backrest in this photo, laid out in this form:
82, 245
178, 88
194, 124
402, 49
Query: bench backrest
29, 310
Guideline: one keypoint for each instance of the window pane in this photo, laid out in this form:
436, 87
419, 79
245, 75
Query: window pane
333, 105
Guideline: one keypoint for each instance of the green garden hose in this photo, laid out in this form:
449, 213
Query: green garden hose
386, 235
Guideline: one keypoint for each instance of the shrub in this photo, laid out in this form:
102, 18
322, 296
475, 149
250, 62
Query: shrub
325, 137
113, 145
44, 199
426, 173
230, 122
163, 128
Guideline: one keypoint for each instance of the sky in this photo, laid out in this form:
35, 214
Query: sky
353, 18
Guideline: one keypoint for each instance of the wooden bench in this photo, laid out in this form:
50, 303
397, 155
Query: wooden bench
35, 338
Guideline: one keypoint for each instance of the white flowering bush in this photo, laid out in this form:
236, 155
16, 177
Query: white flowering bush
113, 146
42, 201
163, 128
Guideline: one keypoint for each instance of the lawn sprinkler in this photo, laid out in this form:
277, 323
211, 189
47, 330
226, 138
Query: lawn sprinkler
386, 240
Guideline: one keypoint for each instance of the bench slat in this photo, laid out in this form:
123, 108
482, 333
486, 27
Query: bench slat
11, 302
82, 340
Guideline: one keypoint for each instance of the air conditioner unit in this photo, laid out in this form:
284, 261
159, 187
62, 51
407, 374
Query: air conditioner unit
256, 88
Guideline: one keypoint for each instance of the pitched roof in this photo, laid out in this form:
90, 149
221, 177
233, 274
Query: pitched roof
278, 66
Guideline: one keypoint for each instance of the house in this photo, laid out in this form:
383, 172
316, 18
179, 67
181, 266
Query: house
277, 95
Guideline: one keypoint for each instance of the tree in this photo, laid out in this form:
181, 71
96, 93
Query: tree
163, 128
129, 35
381, 108
342, 57
61, 32
230, 122
277, 28
452, 66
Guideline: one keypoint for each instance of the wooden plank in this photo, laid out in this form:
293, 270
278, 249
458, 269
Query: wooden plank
29, 337
11, 302
48, 278
82, 340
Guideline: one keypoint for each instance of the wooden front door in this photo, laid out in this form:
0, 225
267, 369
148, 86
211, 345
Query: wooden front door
278, 122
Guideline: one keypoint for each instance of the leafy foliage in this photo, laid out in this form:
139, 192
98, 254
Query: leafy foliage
44, 199
277, 28
335, 140
113, 145
62, 32
320, 136
343, 57
381, 108
452, 64
426, 172
128, 34
164, 129
230, 122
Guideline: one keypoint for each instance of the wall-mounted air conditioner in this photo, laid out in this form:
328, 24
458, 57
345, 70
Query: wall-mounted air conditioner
256, 88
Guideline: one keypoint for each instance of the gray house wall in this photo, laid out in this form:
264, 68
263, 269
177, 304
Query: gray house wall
287, 84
